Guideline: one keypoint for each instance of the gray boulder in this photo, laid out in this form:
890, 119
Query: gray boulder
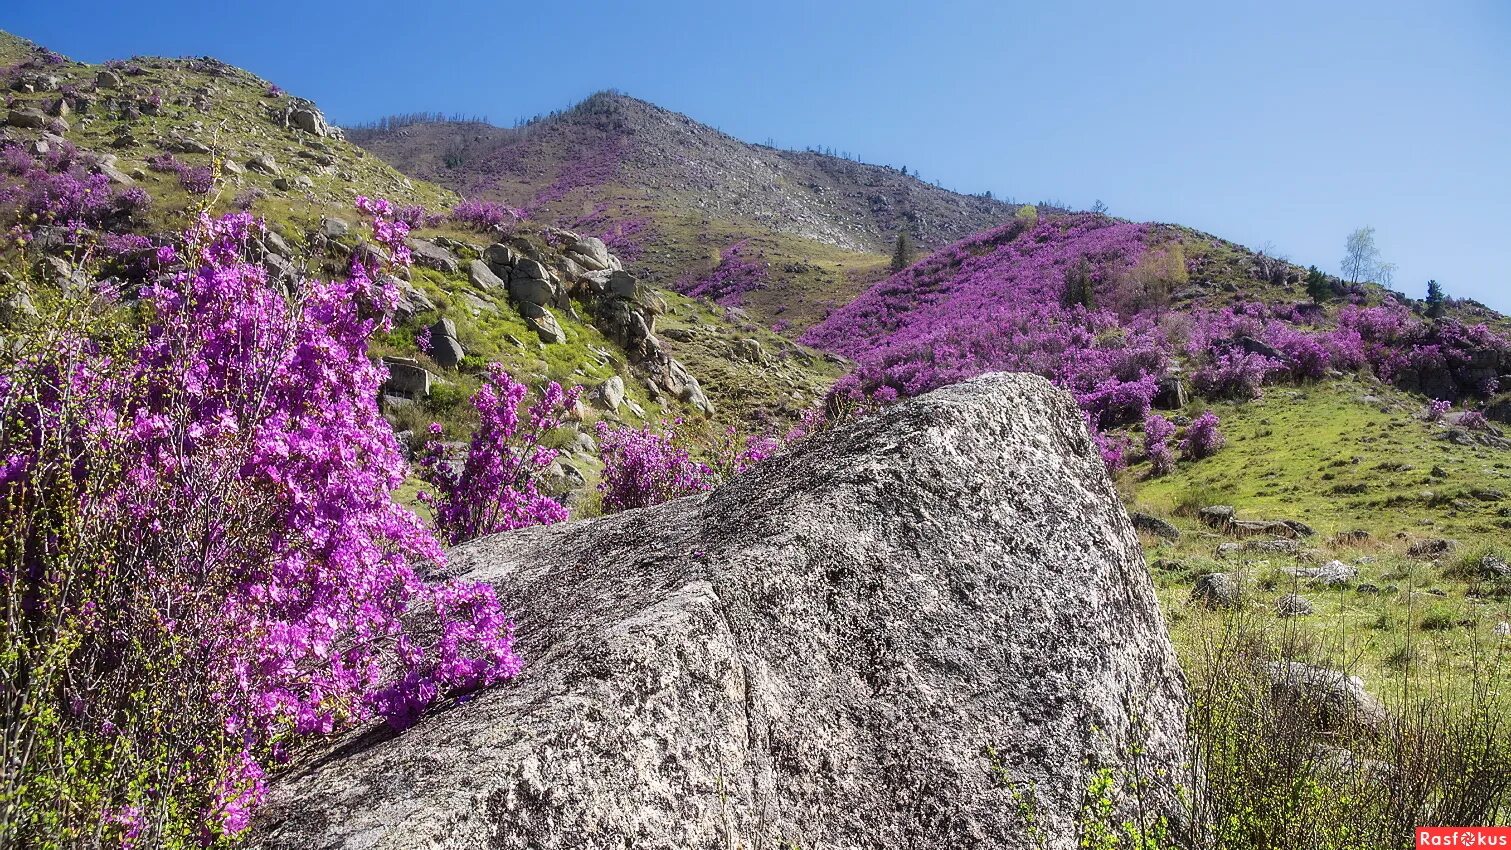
590, 253
608, 395
1293, 605
1150, 524
500, 257
406, 378
885, 637
1332, 700
1217, 516
432, 256
1217, 590
483, 277
31, 119
264, 164
444, 347
531, 290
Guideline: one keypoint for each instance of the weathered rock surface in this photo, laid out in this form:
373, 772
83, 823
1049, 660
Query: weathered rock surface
875, 640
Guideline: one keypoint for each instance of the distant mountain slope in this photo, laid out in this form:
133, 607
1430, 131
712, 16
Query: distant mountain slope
618, 142
674, 196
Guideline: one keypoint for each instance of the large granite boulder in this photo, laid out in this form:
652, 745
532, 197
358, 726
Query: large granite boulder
900, 633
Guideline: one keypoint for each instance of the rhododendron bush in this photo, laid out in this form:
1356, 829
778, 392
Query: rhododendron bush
494, 488
650, 465
204, 559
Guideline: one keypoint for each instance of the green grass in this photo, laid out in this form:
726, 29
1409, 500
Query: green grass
1327, 454
1286, 455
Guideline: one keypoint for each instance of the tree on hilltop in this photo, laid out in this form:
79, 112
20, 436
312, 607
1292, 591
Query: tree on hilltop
1436, 300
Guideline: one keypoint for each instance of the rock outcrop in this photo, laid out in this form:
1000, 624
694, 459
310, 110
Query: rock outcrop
897, 634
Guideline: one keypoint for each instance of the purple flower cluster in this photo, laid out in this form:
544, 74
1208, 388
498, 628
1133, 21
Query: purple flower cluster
589, 165
736, 274
486, 215
226, 481
59, 189
995, 302
1157, 433
1202, 438
647, 466
625, 238
494, 488
196, 180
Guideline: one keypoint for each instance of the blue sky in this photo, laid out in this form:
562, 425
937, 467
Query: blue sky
1288, 123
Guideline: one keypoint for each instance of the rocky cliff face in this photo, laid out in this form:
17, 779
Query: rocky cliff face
901, 633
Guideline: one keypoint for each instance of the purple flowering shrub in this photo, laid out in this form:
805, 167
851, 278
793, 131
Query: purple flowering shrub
590, 163
625, 238
736, 274
1157, 433
1437, 409
647, 466
204, 558
196, 180
1474, 420
650, 465
994, 302
735, 454
494, 487
1234, 374
1202, 438
59, 189
485, 215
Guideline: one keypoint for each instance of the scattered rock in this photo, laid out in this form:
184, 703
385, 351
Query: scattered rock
1217, 516
433, 256
264, 164
334, 228
1430, 548
1259, 527
1491, 567
500, 257
29, 119
1301, 528
483, 277
1217, 590
1349, 538
608, 395
544, 323
444, 347
406, 378
188, 146
750, 350
1332, 700
1293, 605
590, 253
1154, 525
682, 689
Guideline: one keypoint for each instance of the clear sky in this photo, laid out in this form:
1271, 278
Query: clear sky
1280, 122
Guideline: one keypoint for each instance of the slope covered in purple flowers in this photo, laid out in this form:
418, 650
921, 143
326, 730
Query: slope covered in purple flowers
1108, 309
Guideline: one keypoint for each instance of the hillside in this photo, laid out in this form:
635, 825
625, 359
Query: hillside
675, 194
188, 134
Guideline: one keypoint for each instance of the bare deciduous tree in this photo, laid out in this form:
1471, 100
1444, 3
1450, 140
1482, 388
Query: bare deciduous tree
1361, 259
